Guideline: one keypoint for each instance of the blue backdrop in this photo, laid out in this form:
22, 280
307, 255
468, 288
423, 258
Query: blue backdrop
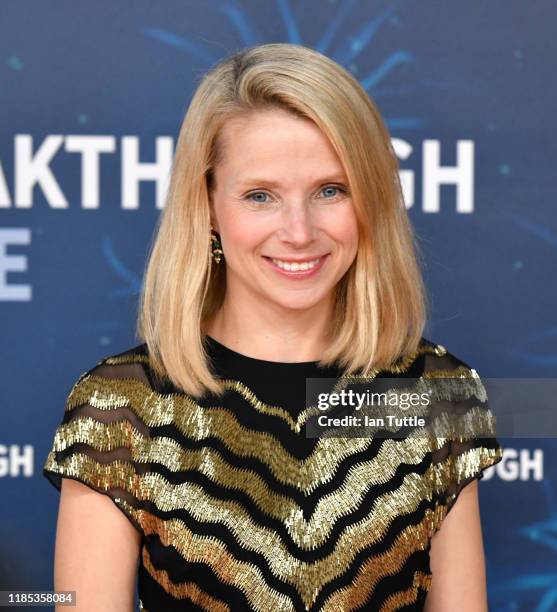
93, 95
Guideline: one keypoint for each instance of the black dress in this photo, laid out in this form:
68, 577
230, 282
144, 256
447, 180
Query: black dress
239, 510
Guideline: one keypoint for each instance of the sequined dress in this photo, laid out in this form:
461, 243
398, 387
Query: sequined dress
239, 510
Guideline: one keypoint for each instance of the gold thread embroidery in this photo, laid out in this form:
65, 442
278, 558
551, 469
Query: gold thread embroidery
250, 536
390, 562
409, 595
183, 590
247, 577
197, 423
306, 534
211, 551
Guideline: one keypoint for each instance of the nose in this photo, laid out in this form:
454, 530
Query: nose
297, 225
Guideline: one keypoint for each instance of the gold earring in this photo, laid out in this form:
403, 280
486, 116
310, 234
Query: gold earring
216, 246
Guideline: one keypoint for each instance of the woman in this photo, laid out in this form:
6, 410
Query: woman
284, 253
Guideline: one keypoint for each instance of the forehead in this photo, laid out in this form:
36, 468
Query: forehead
267, 139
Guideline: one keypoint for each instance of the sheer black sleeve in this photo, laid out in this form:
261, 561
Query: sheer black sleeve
467, 444
101, 440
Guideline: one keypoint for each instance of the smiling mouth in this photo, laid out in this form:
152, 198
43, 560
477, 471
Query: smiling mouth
291, 265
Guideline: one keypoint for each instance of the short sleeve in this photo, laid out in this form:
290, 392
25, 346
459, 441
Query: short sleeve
467, 462
467, 444
100, 437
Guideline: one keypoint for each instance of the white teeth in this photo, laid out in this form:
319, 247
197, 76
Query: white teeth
294, 267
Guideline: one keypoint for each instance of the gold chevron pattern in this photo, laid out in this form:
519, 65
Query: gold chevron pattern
233, 519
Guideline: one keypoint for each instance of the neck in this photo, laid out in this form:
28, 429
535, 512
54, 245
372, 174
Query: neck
271, 332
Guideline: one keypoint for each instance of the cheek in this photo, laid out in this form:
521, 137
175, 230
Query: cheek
241, 235
344, 228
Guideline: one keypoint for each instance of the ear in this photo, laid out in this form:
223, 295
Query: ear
210, 196
212, 216
213, 221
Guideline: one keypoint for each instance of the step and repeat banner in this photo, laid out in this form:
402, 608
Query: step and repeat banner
92, 97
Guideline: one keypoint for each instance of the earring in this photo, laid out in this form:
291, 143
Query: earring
216, 246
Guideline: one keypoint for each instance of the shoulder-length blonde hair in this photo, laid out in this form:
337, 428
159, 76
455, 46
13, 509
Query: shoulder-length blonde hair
381, 301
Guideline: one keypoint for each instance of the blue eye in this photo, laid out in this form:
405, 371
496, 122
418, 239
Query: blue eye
334, 187
258, 193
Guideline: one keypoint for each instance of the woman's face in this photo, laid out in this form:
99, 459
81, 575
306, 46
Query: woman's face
281, 194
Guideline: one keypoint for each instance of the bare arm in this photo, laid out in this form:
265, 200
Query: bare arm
457, 558
97, 550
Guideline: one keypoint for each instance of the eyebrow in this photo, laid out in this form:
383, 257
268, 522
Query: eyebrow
330, 178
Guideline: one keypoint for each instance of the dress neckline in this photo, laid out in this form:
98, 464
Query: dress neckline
229, 354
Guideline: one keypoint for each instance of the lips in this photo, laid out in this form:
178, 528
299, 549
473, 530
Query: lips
294, 270
298, 261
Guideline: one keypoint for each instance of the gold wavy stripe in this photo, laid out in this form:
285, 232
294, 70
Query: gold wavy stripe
248, 578
450, 384
266, 542
465, 425
126, 359
296, 425
184, 590
409, 595
209, 550
468, 464
389, 563
455, 385
198, 423
305, 534
460, 371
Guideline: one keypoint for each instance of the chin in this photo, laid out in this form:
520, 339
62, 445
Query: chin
300, 302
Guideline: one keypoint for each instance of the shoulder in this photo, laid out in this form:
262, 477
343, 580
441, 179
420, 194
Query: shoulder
110, 403
448, 376
130, 360
437, 357
131, 366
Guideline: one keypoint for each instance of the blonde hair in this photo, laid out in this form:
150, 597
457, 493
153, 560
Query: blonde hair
381, 302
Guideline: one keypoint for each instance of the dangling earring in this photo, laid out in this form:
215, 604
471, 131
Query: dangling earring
215, 246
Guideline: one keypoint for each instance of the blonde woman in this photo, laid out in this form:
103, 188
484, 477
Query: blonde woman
284, 253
